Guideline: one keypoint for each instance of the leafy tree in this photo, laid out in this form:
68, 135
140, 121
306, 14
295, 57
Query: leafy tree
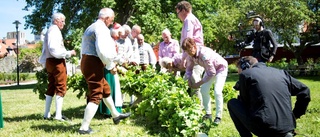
217, 17
152, 15
28, 58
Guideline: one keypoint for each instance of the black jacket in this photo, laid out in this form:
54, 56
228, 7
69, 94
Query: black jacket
261, 40
267, 92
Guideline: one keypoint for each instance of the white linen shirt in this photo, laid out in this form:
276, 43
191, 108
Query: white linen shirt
146, 54
97, 41
135, 52
53, 46
124, 51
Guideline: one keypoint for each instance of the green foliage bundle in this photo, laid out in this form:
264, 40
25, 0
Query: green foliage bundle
77, 82
166, 104
134, 82
42, 84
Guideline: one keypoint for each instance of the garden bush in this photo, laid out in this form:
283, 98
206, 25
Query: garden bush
8, 78
166, 104
232, 68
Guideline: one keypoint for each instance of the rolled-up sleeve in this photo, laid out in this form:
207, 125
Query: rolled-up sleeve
189, 67
209, 69
105, 47
55, 44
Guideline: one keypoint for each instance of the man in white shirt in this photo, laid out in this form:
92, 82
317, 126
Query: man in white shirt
134, 59
147, 56
53, 56
98, 52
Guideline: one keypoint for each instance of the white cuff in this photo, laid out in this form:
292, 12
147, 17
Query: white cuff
110, 66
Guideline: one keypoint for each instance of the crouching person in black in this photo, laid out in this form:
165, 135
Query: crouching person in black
263, 106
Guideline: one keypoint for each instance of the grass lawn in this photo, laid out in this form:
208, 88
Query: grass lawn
23, 116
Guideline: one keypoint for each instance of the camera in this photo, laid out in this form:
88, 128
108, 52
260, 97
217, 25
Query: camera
251, 14
239, 45
9, 49
243, 32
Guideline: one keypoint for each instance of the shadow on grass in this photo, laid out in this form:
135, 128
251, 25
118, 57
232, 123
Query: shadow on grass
63, 128
71, 113
21, 118
78, 112
54, 125
15, 87
313, 78
150, 125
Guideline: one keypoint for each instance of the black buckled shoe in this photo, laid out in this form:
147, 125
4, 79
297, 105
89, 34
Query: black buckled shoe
217, 120
207, 116
116, 120
45, 118
65, 118
89, 131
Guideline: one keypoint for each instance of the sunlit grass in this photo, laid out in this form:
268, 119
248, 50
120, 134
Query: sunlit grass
23, 115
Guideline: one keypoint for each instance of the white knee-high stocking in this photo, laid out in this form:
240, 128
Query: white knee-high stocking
89, 113
59, 103
47, 106
110, 104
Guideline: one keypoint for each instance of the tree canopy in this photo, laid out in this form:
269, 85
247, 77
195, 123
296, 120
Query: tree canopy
217, 17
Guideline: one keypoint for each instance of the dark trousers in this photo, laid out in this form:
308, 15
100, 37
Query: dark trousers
245, 124
257, 55
240, 117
